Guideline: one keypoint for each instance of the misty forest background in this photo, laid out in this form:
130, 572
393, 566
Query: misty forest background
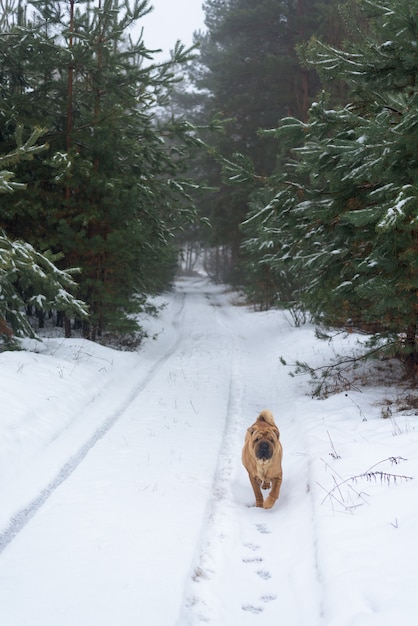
284, 146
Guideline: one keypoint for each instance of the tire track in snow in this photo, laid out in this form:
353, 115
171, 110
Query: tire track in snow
19, 520
200, 607
314, 531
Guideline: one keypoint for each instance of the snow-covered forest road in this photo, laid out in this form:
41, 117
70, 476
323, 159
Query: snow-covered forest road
125, 501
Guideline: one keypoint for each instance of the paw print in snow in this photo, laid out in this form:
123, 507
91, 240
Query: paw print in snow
252, 609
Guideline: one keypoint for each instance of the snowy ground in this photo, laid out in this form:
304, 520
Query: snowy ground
124, 501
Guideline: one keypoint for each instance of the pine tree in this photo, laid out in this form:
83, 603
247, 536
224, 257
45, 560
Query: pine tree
250, 76
350, 231
110, 193
27, 277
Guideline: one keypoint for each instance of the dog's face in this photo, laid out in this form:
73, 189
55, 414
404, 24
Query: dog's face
264, 441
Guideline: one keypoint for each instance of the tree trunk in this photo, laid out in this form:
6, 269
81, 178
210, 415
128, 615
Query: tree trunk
411, 359
67, 327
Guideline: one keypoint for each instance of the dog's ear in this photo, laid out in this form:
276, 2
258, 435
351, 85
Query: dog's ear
250, 430
276, 431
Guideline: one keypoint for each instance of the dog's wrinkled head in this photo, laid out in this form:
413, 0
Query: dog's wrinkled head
264, 440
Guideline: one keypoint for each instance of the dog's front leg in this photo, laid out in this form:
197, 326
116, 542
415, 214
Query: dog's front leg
274, 493
257, 491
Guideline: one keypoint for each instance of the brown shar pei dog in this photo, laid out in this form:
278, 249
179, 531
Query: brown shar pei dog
262, 458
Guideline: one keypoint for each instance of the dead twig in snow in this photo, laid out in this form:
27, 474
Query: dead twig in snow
336, 494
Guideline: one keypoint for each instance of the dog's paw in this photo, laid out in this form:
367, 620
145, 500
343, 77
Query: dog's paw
269, 503
266, 484
259, 503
